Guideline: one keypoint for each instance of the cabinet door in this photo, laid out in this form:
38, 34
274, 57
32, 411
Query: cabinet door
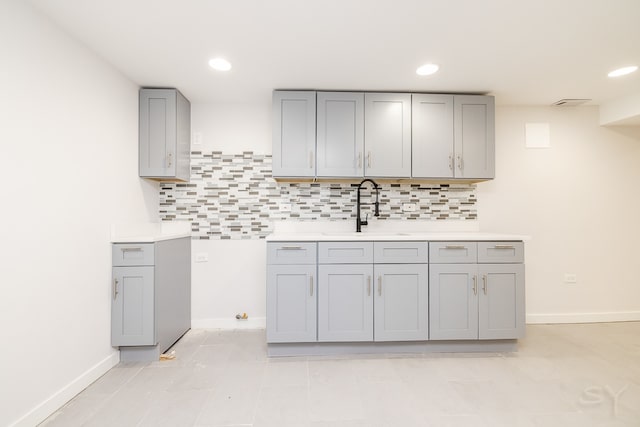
387, 119
501, 302
340, 134
291, 303
474, 124
345, 302
132, 306
157, 132
401, 302
294, 134
453, 301
432, 136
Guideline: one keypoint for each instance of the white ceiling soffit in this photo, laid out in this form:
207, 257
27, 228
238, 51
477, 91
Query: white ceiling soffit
624, 111
529, 52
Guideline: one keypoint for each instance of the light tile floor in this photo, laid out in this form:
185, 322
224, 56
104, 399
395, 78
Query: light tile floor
562, 375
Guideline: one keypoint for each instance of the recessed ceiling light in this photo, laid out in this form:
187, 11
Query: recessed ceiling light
220, 64
623, 71
427, 69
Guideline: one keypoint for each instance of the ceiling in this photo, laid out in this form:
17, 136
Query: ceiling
525, 52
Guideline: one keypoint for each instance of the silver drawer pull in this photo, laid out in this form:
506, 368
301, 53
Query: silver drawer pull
455, 247
475, 284
503, 247
369, 286
135, 249
311, 286
380, 285
291, 248
484, 283
115, 288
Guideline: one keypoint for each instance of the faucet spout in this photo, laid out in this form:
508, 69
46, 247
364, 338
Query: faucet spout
376, 204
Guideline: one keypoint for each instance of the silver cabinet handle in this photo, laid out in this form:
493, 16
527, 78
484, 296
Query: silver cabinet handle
475, 285
459, 162
380, 285
310, 159
503, 247
454, 247
359, 159
169, 159
450, 162
115, 288
369, 286
291, 248
484, 283
369, 159
310, 285
132, 249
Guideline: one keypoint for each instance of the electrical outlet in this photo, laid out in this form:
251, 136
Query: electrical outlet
202, 257
570, 278
197, 138
409, 207
285, 207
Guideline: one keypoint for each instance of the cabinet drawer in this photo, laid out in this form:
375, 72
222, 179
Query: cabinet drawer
400, 252
131, 254
345, 252
500, 252
291, 253
453, 252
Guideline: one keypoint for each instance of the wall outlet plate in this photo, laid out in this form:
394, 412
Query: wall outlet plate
285, 207
409, 207
202, 257
570, 278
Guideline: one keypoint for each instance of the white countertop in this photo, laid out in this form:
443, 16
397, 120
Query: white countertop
149, 232
394, 236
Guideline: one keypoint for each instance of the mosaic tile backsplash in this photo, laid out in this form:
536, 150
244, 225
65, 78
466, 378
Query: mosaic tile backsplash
233, 196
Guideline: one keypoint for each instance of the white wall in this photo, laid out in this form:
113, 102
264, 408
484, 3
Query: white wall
68, 138
579, 201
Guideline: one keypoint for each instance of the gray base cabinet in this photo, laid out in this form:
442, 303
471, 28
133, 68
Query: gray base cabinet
345, 302
151, 297
401, 302
164, 135
363, 295
469, 299
291, 292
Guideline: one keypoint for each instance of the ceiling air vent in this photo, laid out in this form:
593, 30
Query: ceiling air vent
568, 102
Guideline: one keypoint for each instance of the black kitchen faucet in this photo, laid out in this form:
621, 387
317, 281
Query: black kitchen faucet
359, 222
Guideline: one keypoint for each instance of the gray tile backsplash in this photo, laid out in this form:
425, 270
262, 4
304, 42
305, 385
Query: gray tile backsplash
233, 196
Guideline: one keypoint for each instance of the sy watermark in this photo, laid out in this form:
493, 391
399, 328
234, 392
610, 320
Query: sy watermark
597, 395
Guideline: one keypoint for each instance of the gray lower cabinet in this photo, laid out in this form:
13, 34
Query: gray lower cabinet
360, 299
164, 134
291, 303
151, 297
472, 299
291, 292
401, 302
345, 302
294, 133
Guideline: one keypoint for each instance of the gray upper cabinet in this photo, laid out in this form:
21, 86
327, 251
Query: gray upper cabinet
340, 134
387, 118
294, 134
432, 136
474, 136
164, 135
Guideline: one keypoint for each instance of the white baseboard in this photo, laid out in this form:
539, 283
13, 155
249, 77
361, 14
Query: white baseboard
68, 392
618, 316
230, 324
